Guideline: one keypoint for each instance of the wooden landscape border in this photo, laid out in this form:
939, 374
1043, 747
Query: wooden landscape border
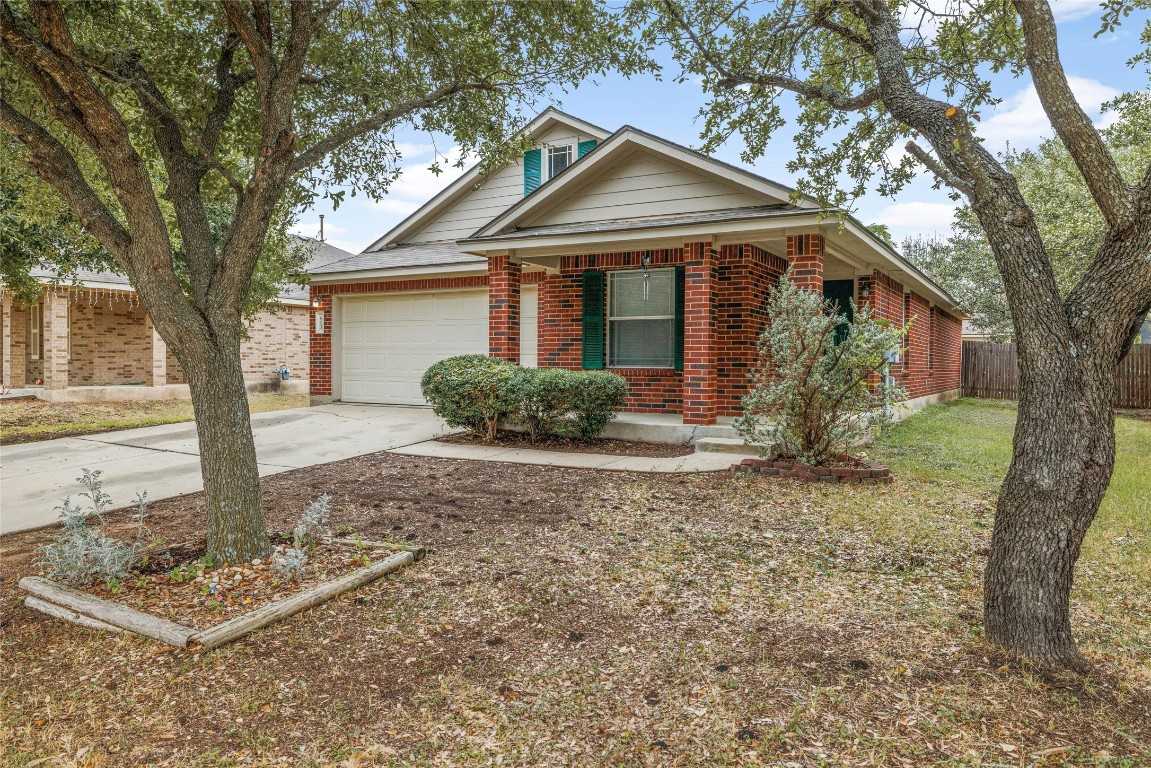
91, 612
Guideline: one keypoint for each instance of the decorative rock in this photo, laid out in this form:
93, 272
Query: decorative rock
257, 561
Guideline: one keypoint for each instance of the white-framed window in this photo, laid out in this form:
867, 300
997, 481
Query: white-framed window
641, 319
558, 159
35, 323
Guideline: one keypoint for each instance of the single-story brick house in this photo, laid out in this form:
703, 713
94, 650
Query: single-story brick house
618, 251
89, 338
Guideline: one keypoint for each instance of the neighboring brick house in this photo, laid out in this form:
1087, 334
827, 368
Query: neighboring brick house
616, 251
89, 338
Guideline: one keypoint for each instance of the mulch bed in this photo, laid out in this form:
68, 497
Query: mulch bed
573, 617
181, 585
509, 439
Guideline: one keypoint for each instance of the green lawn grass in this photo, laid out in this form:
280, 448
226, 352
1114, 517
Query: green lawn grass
23, 421
965, 445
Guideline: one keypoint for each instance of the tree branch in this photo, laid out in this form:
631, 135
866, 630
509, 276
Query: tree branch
334, 141
941, 172
731, 79
55, 164
1113, 196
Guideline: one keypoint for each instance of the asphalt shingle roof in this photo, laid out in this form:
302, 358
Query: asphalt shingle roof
321, 254
644, 222
412, 255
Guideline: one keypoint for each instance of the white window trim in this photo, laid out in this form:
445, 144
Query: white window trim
35, 335
546, 169
610, 318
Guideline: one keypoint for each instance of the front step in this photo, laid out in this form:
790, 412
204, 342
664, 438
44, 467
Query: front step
726, 445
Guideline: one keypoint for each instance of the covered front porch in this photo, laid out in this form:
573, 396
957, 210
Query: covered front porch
677, 315
86, 344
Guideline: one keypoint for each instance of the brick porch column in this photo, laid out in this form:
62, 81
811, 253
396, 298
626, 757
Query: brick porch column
320, 324
6, 341
15, 344
55, 340
504, 308
700, 328
158, 375
805, 254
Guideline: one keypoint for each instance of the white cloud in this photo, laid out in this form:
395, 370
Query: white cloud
1019, 120
913, 218
1071, 10
417, 184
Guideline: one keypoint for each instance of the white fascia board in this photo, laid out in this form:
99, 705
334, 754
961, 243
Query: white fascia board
422, 215
619, 145
84, 285
680, 233
429, 271
919, 279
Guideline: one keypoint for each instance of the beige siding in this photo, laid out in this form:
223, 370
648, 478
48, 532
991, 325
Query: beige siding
645, 184
495, 195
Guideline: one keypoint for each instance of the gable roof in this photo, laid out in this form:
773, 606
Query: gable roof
618, 146
399, 257
423, 215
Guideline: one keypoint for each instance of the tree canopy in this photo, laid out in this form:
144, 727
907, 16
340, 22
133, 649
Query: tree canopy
1072, 227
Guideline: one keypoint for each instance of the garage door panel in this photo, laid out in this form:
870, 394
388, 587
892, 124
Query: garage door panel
387, 342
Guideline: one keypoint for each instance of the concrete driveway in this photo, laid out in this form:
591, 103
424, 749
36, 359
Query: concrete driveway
164, 460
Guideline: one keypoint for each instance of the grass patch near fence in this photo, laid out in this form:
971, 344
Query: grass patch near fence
23, 421
966, 445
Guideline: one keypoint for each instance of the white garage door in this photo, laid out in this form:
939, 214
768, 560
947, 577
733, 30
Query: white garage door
387, 342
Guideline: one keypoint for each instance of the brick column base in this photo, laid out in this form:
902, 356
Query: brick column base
55, 340
504, 279
700, 404
805, 254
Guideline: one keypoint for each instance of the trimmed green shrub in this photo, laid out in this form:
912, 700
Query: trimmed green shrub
543, 398
476, 392
594, 397
471, 391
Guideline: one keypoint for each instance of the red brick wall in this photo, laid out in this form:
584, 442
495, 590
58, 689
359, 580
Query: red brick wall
504, 280
931, 362
320, 344
805, 252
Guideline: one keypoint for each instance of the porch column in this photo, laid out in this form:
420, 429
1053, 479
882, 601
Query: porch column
805, 254
55, 340
158, 374
504, 308
700, 327
15, 344
6, 341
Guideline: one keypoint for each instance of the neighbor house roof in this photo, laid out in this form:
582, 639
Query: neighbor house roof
321, 254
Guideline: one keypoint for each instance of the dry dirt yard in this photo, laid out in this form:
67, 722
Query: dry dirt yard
568, 617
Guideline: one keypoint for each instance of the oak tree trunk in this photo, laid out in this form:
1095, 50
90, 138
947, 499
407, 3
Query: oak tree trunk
237, 531
1064, 451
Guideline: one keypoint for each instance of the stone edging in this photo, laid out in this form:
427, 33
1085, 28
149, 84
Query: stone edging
863, 472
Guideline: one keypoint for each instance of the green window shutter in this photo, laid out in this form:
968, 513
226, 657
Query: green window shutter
532, 165
585, 147
680, 293
593, 314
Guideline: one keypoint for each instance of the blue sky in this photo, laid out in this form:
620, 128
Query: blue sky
1096, 69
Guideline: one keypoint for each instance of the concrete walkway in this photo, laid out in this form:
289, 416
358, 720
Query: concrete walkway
164, 460
694, 462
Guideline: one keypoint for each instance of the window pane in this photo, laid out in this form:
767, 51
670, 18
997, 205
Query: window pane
559, 158
642, 343
627, 299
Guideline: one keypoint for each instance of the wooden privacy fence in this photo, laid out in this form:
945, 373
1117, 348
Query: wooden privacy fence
992, 370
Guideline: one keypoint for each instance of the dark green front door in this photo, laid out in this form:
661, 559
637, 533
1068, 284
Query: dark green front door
840, 293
